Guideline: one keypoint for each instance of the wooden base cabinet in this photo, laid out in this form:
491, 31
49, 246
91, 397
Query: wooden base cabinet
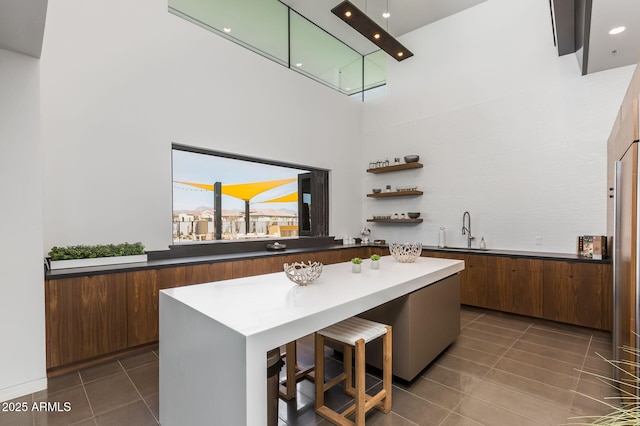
578, 293
96, 316
515, 285
572, 292
143, 293
86, 317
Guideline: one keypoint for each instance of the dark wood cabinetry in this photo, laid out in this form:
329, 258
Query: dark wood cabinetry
577, 293
93, 317
142, 307
90, 317
515, 285
86, 317
573, 292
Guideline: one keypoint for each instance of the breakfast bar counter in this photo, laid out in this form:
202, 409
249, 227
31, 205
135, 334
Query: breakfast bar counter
214, 337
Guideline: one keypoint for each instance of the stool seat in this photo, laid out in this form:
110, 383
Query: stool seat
353, 329
353, 334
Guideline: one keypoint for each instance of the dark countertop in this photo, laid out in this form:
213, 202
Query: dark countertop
517, 253
195, 260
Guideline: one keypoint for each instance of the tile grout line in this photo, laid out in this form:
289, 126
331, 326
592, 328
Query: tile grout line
574, 391
482, 379
86, 395
451, 411
138, 391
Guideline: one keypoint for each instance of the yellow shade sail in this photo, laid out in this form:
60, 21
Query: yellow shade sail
243, 191
289, 198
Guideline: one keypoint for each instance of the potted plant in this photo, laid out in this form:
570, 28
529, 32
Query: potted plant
356, 265
375, 261
95, 255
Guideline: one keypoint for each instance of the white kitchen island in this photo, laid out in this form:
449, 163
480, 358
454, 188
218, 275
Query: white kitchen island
214, 337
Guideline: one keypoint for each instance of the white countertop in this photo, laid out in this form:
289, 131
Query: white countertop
254, 304
214, 337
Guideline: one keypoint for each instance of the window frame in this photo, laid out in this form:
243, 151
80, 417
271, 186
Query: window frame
319, 192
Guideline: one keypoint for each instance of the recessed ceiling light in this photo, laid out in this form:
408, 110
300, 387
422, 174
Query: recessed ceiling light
226, 30
347, 14
400, 54
376, 36
298, 64
386, 15
617, 30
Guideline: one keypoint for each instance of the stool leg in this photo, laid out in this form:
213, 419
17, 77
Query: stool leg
319, 361
347, 361
292, 360
360, 399
386, 369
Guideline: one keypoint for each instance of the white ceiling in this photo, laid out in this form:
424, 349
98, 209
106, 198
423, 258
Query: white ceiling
22, 24
406, 16
608, 14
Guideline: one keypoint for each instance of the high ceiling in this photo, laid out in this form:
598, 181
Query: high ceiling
604, 51
22, 24
406, 16
611, 51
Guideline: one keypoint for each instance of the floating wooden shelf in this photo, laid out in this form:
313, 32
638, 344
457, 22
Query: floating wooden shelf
395, 194
395, 168
395, 220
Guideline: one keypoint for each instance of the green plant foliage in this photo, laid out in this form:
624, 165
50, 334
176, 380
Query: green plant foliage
356, 261
375, 257
100, 250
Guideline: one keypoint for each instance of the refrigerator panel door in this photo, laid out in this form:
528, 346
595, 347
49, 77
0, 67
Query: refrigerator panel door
616, 337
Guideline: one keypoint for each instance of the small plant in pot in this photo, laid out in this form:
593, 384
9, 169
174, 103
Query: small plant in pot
375, 261
356, 265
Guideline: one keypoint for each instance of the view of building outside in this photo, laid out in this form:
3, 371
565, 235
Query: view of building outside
269, 192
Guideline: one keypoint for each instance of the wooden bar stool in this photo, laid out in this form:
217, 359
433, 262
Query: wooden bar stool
353, 333
295, 373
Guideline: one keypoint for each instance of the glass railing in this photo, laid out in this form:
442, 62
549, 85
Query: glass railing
273, 30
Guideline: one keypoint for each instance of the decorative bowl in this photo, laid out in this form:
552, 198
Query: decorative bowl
413, 215
405, 252
376, 190
303, 273
411, 158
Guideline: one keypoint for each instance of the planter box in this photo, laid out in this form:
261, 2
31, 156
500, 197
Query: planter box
96, 261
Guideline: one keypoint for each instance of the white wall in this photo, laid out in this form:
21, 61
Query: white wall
507, 130
22, 339
123, 80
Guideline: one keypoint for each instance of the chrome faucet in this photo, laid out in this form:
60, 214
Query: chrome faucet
466, 230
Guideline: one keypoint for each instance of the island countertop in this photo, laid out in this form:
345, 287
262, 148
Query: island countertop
214, 336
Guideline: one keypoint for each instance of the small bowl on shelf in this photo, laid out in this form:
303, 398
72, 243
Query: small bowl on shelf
376, 190
303, 273
411, 158
413, 215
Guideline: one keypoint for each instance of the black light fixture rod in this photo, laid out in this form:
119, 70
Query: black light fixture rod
360, 22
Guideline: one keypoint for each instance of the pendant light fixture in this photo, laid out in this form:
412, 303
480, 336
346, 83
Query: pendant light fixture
360, 22
386, 14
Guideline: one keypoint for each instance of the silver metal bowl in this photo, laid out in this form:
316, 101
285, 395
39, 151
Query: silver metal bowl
411, 158
303, 273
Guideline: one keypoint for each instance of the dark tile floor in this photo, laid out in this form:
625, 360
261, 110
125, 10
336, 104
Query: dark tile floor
502, 370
